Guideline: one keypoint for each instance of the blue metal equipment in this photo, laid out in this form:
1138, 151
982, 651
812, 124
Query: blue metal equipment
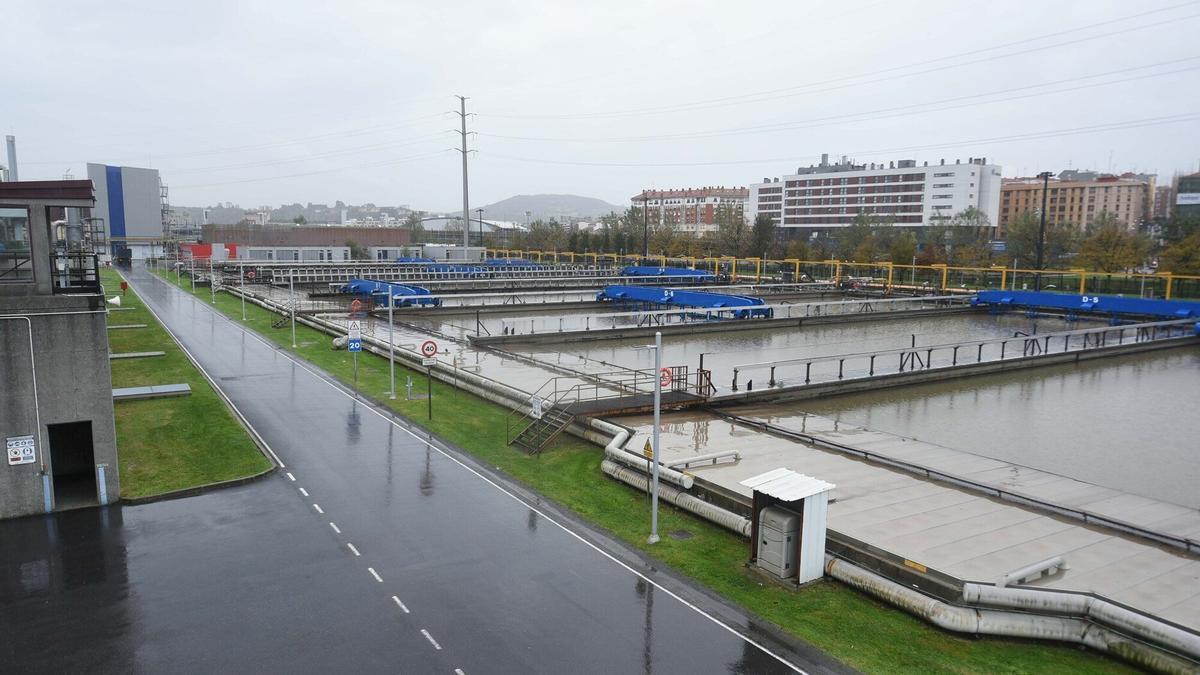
1112, 306
402, 296
650, 297
644, 271
519, 263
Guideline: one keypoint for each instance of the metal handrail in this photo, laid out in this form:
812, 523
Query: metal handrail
920, 358
781, 311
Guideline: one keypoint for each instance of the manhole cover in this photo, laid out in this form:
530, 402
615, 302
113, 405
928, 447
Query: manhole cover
680, 534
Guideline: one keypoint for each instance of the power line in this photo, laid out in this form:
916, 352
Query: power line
802, 89
1114, 126
870, 115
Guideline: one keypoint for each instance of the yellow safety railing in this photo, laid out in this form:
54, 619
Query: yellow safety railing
900, 275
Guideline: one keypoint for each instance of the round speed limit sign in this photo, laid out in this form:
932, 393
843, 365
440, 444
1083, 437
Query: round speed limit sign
664, 377
429, 348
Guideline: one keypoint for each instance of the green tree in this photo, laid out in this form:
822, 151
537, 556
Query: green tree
858, 240
1021, 235
762, 236
797, 249
357, 252
1182, 257
733, 236
1109, 246
903, 248
1180, 227
968, 238
299, 220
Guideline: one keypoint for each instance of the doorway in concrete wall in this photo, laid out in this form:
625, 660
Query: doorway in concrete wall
72, 464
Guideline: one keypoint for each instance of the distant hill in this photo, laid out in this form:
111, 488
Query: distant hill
545, 207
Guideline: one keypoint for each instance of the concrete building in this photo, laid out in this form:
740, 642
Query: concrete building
829, 196
288, 235
56, 406
1187, 196
1078, 202
131, 202
1164, 196
692, 210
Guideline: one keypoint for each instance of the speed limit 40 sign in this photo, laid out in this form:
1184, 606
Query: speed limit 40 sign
429, 349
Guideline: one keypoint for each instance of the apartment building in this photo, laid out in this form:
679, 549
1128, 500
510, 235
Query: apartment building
692, 210
1129, 197
828, 196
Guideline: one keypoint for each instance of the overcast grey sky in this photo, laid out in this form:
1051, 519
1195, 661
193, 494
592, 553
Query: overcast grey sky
276, 102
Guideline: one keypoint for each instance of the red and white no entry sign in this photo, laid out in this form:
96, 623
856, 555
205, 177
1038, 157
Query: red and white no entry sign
664, 377
429, 348
250, 274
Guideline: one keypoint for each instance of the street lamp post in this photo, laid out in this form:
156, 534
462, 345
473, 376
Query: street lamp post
212, 280
391, 343
242, 287
1041, 242
654, 451
292, 294
645, 226
479, 212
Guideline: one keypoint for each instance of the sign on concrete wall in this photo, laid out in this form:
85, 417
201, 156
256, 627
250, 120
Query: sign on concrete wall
21, 450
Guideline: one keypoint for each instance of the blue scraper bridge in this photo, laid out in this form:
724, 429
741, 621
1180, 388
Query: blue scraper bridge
1116, 308
717, 305
402, 296
678, 272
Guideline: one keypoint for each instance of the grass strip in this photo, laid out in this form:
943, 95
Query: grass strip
170, 444
849, 625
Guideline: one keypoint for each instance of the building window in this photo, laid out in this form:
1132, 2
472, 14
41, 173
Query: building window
16, 262
943, 175
946, 185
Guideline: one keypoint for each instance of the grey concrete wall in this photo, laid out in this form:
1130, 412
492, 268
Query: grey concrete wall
74, 384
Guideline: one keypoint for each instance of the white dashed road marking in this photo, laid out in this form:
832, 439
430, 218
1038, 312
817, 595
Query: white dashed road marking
318, 508
375, 574
352, 549
431, 640
400, 604
335, 527
291, 477
304, 492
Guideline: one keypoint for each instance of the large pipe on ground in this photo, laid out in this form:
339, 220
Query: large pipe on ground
683, 500
1009, 624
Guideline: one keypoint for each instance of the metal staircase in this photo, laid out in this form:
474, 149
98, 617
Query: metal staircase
543, 430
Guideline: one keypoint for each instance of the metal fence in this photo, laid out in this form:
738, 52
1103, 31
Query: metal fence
817, 370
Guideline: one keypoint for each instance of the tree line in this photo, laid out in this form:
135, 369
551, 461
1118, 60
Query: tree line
966, 239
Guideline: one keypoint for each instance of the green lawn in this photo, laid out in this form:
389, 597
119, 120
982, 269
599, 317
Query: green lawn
851, 626
171, 443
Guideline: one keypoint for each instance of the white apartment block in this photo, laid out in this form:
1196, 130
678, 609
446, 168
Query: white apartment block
829, 196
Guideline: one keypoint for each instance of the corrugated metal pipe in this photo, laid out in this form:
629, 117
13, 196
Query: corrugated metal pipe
679, 498
639, 462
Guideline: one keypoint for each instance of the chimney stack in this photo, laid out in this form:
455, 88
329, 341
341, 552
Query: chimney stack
12, 157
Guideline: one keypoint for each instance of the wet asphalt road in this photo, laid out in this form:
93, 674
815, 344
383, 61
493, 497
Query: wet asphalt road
371, 551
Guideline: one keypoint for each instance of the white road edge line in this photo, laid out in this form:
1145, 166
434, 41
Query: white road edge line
353, 550
304, 492
459, 671
375, 574
318, 508
431, 640
335, 527
401, 604
338, 387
